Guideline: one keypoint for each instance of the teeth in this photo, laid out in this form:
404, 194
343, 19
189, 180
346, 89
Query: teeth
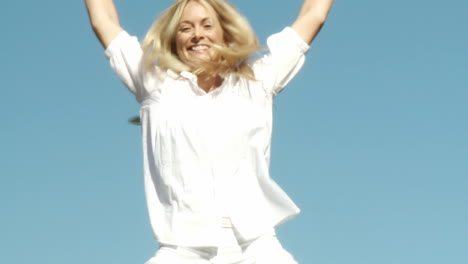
199, 48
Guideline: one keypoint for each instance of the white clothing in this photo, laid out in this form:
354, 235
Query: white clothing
207, 155
263, 250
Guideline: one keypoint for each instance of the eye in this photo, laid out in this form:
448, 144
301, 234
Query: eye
184, 29
207, 26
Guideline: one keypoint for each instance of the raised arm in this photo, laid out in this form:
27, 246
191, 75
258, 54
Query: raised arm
104, 20
311, 18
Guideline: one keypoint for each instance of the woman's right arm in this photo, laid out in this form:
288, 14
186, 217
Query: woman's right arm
104, 20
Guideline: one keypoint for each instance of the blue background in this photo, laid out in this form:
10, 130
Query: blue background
370, 139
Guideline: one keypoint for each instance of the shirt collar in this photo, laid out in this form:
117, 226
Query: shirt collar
192, 78
189, 76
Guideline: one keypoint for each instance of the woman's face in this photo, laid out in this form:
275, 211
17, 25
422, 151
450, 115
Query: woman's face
198, 29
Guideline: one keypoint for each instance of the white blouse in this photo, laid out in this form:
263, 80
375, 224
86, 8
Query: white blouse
207, 155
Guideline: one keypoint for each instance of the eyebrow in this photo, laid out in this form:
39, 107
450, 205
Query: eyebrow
189, 22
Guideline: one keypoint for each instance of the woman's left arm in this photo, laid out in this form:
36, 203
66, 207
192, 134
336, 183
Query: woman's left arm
311, 18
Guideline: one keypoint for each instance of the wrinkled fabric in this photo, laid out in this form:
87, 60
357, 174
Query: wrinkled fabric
230, 250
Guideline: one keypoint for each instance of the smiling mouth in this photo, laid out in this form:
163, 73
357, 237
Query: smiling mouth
199, 48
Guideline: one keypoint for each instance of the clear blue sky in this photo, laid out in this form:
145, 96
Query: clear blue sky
370, 139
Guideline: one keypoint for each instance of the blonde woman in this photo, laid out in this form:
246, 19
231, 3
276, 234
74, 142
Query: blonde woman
206, 116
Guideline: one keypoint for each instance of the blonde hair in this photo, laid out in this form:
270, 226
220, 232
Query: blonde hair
241, 42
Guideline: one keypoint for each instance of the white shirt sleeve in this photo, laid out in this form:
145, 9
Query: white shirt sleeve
285, 57
125, 56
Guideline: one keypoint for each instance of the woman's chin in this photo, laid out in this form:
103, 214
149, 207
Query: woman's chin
197, 60
194, 64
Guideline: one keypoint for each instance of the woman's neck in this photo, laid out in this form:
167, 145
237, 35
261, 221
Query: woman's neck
209, 82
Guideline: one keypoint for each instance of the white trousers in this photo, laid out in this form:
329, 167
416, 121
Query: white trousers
263, 250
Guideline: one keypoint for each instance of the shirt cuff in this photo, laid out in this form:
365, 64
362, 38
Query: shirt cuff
117, 42
292, 35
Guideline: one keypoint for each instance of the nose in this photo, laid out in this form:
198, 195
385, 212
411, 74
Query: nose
197, 35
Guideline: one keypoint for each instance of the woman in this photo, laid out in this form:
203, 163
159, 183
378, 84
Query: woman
206, 115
